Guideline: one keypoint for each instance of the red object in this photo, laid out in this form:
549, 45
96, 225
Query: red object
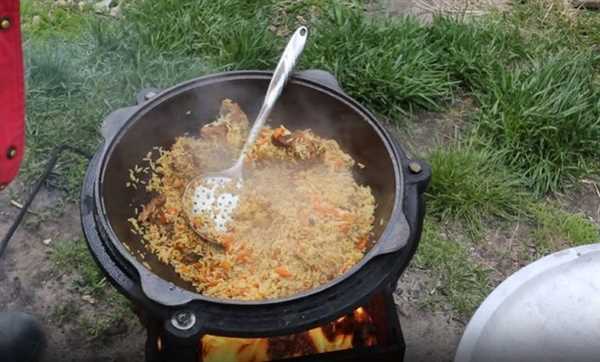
12, 92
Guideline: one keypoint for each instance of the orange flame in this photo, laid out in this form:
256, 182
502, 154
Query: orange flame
227, 349
323, 344
338, 335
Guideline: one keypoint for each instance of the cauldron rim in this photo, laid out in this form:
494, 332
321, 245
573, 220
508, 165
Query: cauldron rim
181, 296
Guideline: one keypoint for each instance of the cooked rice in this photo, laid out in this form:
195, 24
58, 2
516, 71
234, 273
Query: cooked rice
302, 219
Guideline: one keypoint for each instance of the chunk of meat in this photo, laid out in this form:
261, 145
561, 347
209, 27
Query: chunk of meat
226, 241
214, 130
282, 136
232, 111
190, 257
304, 145
151, 207
231, 125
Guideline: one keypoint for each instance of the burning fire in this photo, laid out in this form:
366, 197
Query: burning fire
353, 330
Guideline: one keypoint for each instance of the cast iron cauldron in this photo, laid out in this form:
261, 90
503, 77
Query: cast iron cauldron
312, 99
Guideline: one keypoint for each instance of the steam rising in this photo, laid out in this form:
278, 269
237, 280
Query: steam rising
301, 219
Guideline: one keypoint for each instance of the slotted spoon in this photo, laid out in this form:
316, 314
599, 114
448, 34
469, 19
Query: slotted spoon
210, 199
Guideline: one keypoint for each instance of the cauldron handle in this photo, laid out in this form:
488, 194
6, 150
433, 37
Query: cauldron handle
115, 120
146, 94
407, 219
322, 77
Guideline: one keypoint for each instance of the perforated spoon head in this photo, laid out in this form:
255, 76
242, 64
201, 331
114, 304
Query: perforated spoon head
209, 202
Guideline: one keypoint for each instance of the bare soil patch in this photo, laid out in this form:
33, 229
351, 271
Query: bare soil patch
30, 283
585, 199
431, 332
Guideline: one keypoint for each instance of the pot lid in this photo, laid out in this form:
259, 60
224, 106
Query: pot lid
547, 311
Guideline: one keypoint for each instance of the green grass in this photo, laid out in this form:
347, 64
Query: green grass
554, 25
385, 64
230, 34
289, 14
72, 85
461, 282
63, 313
110, 307
471, 185
545, 117
55, 113
382, 63
532, 75
67, 21
73, 256
470, 50
41, 215
556, 229
97, 325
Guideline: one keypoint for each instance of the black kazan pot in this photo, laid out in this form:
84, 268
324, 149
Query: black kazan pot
312, 99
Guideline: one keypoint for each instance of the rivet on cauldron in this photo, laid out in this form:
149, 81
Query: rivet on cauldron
12, 152
149, 95
4, 24
415, 167
183, 320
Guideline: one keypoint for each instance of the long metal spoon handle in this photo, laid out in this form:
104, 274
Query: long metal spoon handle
282, 73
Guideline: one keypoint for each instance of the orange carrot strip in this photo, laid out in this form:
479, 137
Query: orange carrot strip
227, 241
362, 243
283, 272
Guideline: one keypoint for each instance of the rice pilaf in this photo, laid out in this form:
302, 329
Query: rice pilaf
302, 218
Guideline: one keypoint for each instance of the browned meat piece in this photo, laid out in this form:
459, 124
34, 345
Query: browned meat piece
213, 130
282, 136
151, 207
190, 257
304, 145
232, 111
232, 125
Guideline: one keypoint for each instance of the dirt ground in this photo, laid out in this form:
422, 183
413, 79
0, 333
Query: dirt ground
431, 332
29, 282
430, 335
425, 9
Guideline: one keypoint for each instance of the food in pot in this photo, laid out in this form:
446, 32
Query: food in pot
302, 218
